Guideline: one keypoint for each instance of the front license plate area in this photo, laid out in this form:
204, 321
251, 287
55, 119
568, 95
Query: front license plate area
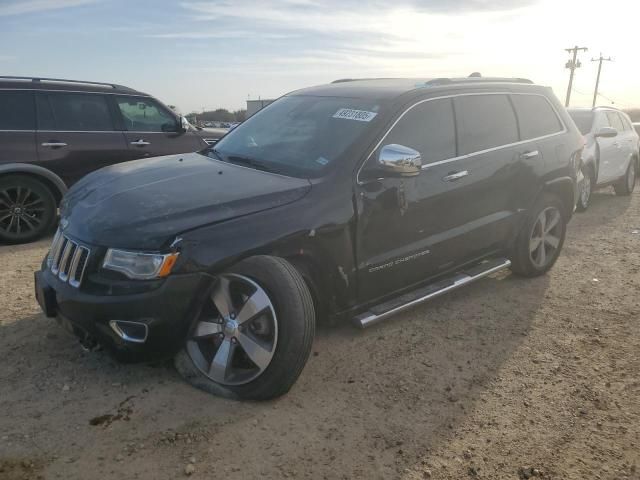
46, 297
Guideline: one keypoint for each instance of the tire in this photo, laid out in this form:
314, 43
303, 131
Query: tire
28, 209
528, 261
626, 185
587, 189
214, 357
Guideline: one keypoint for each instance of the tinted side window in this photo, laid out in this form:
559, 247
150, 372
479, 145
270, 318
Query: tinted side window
144, 115
17, 111
535, 116
625, 122
614, 120
428, 128
484, 121
80, 112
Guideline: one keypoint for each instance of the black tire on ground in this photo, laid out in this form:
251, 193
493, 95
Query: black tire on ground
295, 327
526, 260
627, 183
28, 209
584, 197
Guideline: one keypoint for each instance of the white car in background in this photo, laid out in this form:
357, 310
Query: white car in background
611, 153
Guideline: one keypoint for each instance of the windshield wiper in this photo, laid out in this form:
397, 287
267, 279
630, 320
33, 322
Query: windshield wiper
242, 160
249, 162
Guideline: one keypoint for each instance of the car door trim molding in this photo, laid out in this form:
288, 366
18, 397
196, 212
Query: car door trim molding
472, 154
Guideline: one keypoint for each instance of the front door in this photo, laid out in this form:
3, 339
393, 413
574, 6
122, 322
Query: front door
151, 130
76, 134
411, 229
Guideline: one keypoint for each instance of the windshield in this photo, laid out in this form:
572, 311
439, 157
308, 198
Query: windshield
584, 120
297, 135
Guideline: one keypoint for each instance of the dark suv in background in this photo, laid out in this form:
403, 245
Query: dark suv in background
53, 132
353, 200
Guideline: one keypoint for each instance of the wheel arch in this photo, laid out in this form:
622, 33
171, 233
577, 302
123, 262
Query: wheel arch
564, 188
50, 179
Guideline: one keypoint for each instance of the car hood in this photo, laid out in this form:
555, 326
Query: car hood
143, 204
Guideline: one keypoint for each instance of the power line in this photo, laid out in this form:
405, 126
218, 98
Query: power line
572, 65
599, 60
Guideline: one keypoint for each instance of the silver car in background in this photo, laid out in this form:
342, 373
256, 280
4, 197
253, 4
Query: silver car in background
611, 153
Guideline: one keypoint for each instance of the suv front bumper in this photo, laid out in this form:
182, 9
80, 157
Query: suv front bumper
166, 311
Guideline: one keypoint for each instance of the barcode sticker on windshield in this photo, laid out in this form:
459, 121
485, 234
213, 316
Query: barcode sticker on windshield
358, 115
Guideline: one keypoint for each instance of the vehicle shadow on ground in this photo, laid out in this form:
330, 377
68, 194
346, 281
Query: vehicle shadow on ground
369, 403
605, 206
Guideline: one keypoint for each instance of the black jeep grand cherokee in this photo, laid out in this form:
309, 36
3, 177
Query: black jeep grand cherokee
353, 200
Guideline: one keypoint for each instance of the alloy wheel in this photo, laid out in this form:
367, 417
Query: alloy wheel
545, 237
22, 211
235, 338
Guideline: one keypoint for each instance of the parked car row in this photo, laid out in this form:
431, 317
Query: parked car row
349, 201
54, 132
612, 151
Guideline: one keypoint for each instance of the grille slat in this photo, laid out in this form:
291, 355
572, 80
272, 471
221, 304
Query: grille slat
68, 259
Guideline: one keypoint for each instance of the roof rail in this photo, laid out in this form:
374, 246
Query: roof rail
63, 80
448, 81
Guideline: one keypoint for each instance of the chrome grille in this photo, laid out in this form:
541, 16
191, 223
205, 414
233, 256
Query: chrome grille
67, 259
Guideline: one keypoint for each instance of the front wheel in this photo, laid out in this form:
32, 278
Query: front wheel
539, 243
254, 333
626, 185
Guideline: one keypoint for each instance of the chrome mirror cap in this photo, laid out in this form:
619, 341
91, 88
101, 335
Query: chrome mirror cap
400, 160
184, 124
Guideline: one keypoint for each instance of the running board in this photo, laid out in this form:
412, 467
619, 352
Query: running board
383, 311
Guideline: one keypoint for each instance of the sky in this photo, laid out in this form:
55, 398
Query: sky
205, 54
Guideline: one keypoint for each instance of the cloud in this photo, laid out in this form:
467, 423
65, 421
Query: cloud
19, 7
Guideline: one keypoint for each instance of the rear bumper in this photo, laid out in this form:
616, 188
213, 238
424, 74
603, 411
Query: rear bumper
166, 311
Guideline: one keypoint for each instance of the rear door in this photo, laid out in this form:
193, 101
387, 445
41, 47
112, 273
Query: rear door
627, 142
77, 134
17, 127
152, 130
539, 125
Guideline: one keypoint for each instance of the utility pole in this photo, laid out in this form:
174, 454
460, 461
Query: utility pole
599, 60
572, 65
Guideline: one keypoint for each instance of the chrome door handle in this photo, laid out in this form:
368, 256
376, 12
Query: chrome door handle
531, 154
54, 144
452, 177
140, 143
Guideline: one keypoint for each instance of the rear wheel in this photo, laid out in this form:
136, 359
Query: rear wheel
626, 185
586, 189
541, 238
254, 333
27, 209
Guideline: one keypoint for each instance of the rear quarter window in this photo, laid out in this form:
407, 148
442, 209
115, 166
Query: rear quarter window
17, 111
536, 117
484, 122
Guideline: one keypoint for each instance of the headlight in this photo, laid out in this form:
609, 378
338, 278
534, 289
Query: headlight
139, 266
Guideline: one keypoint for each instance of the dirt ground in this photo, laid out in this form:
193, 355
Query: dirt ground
506, 379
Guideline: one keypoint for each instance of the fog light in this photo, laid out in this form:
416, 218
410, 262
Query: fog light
135, 332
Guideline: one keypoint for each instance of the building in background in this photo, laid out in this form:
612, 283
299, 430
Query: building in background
254, 106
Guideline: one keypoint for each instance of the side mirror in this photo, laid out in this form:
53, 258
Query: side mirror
184, 124
606, 132
399, 161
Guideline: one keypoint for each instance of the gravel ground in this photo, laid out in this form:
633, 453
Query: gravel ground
506, 379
